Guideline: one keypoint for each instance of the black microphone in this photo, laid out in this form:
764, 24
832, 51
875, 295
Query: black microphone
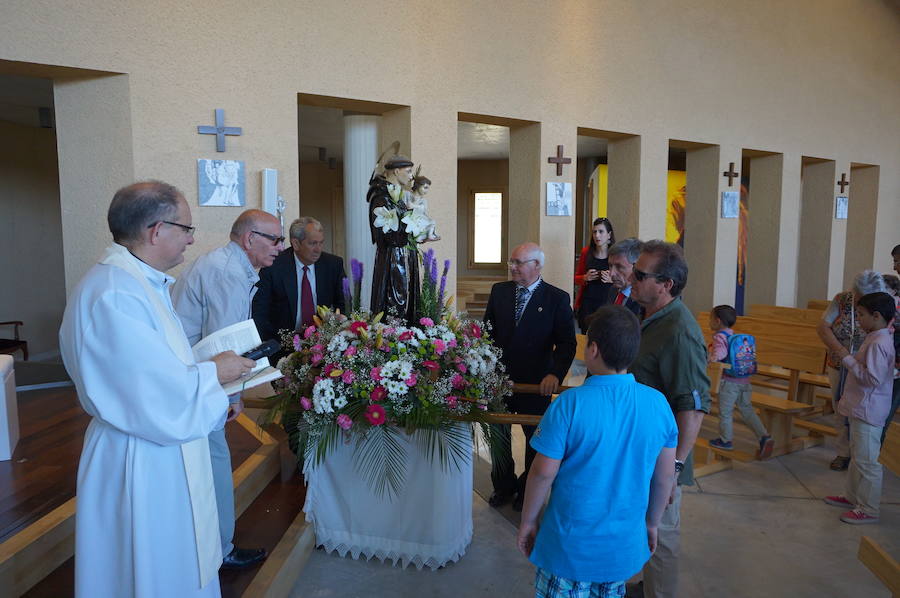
270, 347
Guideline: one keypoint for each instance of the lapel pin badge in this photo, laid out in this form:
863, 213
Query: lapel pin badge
540, 309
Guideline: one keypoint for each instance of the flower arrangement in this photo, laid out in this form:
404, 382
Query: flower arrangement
365, 378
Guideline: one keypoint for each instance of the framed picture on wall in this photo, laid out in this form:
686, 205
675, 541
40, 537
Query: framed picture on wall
221, 183
731, 204
559, 199
840, 207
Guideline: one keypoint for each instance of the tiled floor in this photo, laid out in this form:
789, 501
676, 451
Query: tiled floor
759, 530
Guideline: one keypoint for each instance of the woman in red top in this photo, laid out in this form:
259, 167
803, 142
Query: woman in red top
592, 273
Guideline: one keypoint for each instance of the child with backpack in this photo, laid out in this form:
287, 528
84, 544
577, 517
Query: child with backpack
739, 352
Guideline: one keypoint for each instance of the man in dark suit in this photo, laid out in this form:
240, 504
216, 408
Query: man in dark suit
301, 278
532, 322
622, 257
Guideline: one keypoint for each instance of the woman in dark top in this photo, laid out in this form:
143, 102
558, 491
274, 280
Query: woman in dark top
592, 273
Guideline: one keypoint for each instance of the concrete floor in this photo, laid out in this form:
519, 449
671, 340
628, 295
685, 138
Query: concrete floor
759, 530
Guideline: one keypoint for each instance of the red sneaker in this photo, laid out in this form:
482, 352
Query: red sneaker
838, 501
857, 517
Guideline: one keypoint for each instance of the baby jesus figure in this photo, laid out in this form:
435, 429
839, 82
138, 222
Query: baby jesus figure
417, 203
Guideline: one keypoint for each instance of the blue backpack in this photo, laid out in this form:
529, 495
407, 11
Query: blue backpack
741, 356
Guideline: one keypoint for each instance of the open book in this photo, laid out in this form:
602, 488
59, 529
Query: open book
240, 338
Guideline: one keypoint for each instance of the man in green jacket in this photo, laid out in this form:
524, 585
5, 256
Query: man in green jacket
672, 359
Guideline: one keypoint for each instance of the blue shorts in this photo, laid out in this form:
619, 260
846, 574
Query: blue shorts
547, 585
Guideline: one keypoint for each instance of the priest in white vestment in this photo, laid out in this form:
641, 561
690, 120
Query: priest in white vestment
146, 521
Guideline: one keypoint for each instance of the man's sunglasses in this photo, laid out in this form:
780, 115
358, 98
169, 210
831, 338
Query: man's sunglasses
640, 276
275, 240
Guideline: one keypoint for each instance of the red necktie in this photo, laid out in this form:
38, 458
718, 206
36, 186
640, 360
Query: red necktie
306, 300
620, 299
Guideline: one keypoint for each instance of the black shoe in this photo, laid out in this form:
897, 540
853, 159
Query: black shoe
241, 558
840, 463
498, 499
518, 503
634, 590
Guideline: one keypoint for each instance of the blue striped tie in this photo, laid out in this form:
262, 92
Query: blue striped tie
521, 295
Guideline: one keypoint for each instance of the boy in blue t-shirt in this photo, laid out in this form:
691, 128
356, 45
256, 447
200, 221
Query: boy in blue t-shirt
607, 448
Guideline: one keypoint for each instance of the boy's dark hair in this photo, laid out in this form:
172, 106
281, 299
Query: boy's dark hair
881, 303
726, 314
617, 333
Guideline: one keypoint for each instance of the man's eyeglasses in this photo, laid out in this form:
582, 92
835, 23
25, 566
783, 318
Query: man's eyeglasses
640, 276
275, 240
188, 229
518, 263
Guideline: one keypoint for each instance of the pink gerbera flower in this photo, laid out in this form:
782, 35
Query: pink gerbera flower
411, 381
375, 374
305, 403
344, 421
378, 393
439, 346
431, 365
374, 415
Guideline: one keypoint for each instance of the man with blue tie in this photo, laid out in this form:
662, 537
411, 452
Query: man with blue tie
622, 257
532, 322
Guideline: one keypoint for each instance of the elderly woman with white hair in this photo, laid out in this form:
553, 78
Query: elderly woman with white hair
841, 323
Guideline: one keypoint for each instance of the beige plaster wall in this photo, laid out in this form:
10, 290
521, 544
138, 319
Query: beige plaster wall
31, 246
767, 75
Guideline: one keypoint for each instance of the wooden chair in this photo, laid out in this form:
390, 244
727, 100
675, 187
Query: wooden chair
11, 345
873, 556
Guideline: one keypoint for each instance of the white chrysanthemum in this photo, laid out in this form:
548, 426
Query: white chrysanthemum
339, 401
323, 394
396, 389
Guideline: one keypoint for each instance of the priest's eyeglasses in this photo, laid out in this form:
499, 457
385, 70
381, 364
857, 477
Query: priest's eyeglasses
188, 229
640, 275
275, 240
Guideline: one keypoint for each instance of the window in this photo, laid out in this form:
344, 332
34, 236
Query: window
486, 229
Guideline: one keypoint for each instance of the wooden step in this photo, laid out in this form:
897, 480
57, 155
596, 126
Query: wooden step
815, 429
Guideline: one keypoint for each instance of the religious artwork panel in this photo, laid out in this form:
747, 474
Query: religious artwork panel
730, 201
559, 199
840, 207
221, 183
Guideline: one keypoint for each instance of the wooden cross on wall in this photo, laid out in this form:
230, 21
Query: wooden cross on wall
730, 173
559, 160
220, 130
843, 182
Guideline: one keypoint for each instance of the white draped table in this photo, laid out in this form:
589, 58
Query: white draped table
427, 524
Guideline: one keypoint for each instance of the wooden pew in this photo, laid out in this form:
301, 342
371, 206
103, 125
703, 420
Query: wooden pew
791, 347
793, 315
784, 350
820, 304
874, 557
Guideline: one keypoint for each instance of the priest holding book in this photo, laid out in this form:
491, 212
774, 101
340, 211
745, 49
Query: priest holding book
214, 292
146, 523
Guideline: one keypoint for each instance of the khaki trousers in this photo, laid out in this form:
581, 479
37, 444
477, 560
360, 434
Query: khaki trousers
661, 571
842, 443
864, 475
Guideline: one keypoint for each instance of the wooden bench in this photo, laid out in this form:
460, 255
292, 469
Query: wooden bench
793, 315
820, 304
874, 557
784, 350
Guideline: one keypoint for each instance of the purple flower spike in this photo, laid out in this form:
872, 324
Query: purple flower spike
356, 269
446, 267
345, 287
432, 271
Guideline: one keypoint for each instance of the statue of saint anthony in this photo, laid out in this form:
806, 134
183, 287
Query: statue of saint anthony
395, 277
